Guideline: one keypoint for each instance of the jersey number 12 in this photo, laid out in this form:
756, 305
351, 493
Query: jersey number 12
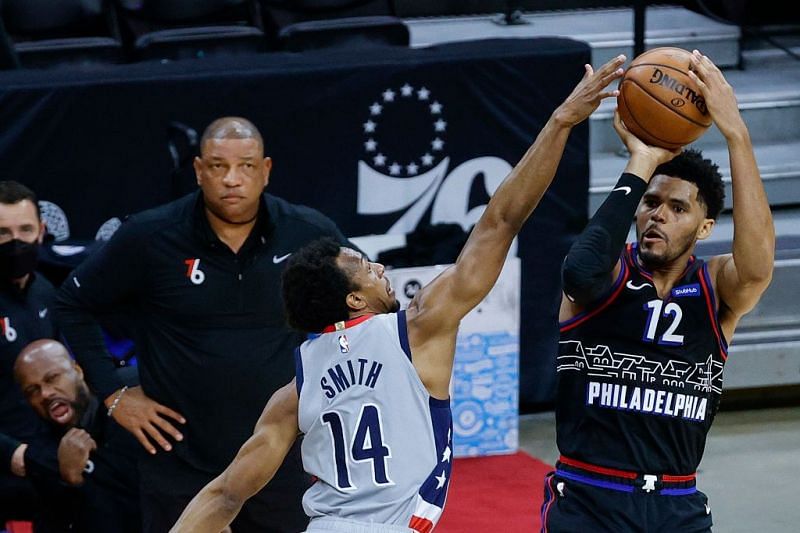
654, 307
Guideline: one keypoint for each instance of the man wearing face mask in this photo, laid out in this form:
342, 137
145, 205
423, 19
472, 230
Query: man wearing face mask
25, 302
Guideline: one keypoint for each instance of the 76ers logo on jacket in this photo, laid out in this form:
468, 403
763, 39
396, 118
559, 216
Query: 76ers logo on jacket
7, 330
193, 271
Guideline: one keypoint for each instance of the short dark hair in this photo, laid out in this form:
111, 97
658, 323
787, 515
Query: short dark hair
690, 166
13, 192
315, 288
231, 128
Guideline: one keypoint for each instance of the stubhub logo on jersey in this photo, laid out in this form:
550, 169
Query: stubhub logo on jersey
485, 386
686, 290
405, 168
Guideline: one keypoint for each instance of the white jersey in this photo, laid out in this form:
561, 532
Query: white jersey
376, 441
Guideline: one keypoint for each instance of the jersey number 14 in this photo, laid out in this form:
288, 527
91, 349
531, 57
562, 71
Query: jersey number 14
367, 445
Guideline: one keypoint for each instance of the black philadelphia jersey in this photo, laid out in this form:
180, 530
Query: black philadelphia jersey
639, 376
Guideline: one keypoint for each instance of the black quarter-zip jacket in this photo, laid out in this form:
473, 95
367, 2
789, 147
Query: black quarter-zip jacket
25, 316
210, 332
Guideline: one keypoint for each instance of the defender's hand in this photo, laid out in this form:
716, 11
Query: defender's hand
589, 92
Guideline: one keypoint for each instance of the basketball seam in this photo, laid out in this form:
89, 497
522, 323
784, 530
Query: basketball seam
693, 121
643, 128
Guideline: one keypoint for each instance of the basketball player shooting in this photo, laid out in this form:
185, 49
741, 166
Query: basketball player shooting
371, 391
645, 331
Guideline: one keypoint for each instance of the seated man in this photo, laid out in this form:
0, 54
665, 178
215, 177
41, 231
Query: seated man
85, 470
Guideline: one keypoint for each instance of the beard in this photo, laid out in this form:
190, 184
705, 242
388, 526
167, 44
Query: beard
653, 260
81, 403
396, 307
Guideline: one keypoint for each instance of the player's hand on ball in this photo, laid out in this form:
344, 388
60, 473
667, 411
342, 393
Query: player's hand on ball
638, 148
718, 93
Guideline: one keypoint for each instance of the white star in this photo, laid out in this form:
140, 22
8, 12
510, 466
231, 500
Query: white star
406, 90
370, 145
446, 454
369, 126
427, 160
388, 95
376, 108
394, 169
440, 125
379, 160
412, 168
441, 479
423, 94
437, 144
436, 108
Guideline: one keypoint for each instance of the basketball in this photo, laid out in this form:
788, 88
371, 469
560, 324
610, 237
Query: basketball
659, 103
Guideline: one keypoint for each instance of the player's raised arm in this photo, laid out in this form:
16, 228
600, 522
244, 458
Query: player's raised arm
220, 501
743, 276
592, 262
454, 293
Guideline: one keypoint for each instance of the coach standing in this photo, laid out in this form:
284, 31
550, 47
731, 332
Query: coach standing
202, 277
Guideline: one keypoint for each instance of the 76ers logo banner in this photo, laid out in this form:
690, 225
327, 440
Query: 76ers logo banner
381, 141
410, 174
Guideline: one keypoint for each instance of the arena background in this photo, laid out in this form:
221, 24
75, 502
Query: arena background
394, 137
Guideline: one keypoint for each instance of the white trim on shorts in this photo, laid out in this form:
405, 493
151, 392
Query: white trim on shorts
332, 523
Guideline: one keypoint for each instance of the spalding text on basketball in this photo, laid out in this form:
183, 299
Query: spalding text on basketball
659, 77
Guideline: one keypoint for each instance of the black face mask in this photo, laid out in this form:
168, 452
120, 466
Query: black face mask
17, 259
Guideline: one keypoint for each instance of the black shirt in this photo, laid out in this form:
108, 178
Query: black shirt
108, 500
211, 337
25, 316
640, 377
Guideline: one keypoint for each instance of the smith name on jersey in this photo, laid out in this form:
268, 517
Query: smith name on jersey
376, 441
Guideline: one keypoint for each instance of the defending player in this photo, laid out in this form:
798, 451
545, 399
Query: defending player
371, 392
645, 331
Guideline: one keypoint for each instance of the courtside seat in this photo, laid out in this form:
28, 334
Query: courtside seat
285, 22
74, 33
351, 32
179, 29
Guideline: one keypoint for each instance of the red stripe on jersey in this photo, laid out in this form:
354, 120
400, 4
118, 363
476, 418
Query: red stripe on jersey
598, 469
422, 525
347, 323
626, 474
551, 498
677, 479
578, 319
712, 312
